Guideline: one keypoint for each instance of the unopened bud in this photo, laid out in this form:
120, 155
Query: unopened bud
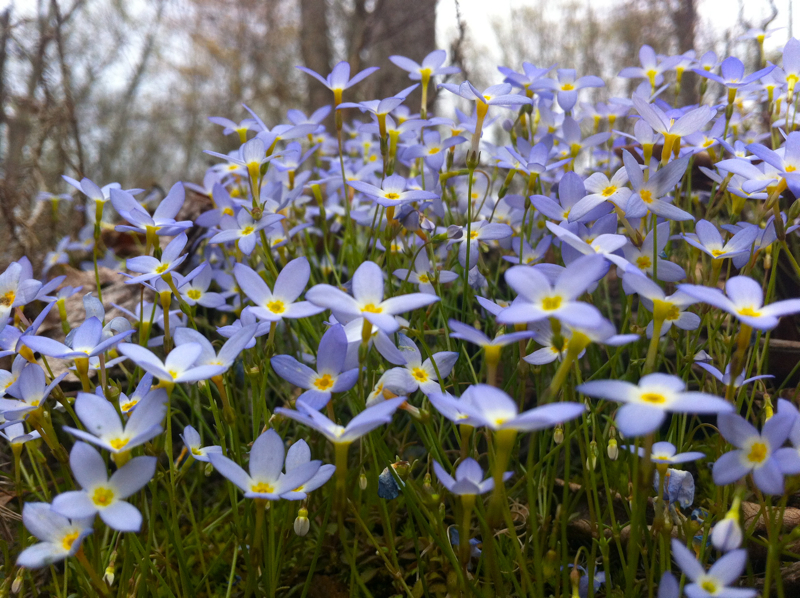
454, 232
209, 468
426, 484
550, 562
769, 410
17, 585
727, 534
362, 481
575, 581
558, 435
108, 577
591, 459
612, 449
301, 523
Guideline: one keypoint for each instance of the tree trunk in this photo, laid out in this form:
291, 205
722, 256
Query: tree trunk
399, 28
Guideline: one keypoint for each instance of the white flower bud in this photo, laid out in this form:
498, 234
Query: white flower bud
591, 459
302, 524
362, 481
558, 435
17, 585
727, 534
612, 449
108, 577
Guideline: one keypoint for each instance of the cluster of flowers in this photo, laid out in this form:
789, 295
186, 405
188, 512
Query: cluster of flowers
578, 217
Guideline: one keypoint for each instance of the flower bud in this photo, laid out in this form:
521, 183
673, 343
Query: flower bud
301, 523
558, 434
727, 534
454, 232
426, 484
612, 449
575, 581
362, 481
591, 458
17, 585
108, 576
769, 410
209, 469
550, 563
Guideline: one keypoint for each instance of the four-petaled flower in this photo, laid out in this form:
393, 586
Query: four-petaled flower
104, 495
367, 300
328, 378
647, 403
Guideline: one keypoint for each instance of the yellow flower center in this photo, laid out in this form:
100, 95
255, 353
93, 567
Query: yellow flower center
423, 278
247, 230
392, 195
262, 488
433, 150
7, 300
653, 398
103, 497
324, 382
162, 268
194, 294
69, 540
118, 443
567, 87
790, 168
419, 374
748, 311
473, 234
228, 211
276, 306
718, 252
372, 308
709, 586
551, 303
609, 191
758, 453
34, 403
644, 262
673, 314
646, 195
125, 407
197, 451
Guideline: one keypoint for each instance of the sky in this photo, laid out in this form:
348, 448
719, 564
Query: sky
478, 15
717, 14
